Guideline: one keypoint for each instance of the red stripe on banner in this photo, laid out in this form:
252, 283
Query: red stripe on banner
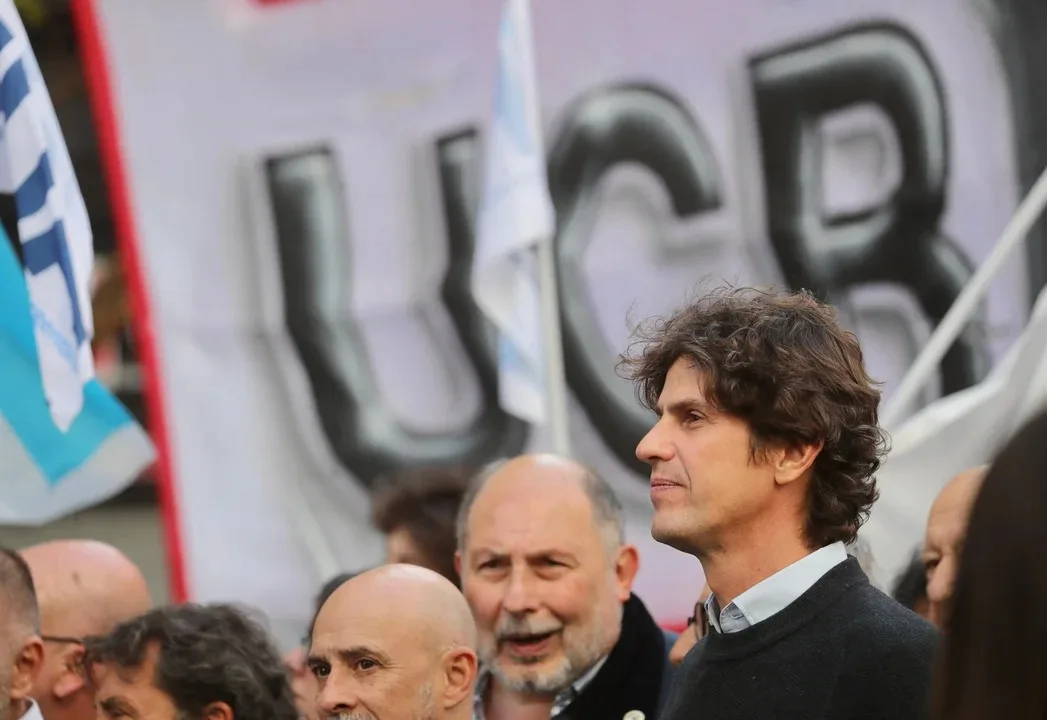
100, 93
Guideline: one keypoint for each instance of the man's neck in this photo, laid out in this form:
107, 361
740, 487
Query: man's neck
730, 572
504, 704
19, 708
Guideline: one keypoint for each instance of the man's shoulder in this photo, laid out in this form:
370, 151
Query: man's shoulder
880, 627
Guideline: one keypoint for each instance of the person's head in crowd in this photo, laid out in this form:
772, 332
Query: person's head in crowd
198, 662
302, 681
21, 650
992, 662
84, 588
548, 575
767, 435
946, 530
910, 587
697, 628
416, 510
395, 642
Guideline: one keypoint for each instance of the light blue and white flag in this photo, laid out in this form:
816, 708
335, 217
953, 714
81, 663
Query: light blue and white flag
55, 233
46, 473
65, 441
516, 215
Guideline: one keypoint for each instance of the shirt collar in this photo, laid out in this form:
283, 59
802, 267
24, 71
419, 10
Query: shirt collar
560, 703
33, 713
776, 593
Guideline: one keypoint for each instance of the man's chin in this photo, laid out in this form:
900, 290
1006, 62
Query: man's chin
544, 676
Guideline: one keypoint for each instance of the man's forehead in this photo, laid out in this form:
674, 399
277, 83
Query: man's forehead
684, 381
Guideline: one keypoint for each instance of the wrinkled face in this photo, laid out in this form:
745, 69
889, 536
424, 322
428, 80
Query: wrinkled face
131, 693
541, 584
370, 670
705, 484
943, 544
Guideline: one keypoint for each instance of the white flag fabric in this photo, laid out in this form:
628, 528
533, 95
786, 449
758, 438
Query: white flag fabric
516, 214
55, 233
960, 431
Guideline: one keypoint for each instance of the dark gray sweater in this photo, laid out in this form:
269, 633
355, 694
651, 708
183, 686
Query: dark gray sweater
842, 651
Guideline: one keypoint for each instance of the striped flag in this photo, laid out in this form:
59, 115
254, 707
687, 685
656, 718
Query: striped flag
516, 214
65, 441
55, 233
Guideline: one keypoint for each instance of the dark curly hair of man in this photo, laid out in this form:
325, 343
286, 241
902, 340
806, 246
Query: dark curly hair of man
781, 363
206, 654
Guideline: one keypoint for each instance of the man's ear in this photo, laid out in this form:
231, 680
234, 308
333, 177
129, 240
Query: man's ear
626, 565
792, 463
460, 669
70, 678
218, 711
458, 562
28, 661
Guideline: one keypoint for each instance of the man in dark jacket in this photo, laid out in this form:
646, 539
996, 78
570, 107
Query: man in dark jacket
548, 575
762, 463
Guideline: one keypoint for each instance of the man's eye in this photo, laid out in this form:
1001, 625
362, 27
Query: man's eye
320, 670
365, 664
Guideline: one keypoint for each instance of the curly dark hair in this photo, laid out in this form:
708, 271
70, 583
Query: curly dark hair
781, 363
424, 501
207, 654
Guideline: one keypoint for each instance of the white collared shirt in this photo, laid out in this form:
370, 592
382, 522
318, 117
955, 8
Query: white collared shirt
33, 713
771, 596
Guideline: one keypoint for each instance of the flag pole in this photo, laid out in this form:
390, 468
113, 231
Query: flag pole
555, 375
964, 307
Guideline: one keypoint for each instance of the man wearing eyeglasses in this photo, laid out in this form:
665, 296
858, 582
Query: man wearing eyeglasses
21, 650
84, 588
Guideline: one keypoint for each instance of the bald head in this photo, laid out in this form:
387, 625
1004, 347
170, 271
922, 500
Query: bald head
85, 587
404, 595
396, 641
551, 477
946, 530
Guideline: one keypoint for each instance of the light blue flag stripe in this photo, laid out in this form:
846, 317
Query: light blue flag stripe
22, 401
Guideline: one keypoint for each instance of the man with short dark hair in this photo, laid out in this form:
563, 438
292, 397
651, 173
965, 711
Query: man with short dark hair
416, 510
204, 662
21, 650
762, 463
548, 575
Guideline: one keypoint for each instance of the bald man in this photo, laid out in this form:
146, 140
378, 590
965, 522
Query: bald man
395, 643
946, 530
548, 574
83, 588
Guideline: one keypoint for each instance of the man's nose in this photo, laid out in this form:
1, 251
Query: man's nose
519, 593
336, 697
654, 447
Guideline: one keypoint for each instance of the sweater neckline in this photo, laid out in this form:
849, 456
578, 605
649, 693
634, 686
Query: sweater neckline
728, 646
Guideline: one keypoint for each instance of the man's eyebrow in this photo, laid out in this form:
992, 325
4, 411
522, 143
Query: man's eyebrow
348, 655
114, 706
683, 405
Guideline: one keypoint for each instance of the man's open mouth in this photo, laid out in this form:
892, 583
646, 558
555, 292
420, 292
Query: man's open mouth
528, 644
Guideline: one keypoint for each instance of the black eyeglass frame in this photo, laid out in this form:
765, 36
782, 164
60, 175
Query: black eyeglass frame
699, 621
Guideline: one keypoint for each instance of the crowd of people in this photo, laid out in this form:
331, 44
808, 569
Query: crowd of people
508, 589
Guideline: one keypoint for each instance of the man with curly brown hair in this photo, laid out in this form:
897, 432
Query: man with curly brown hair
762, 463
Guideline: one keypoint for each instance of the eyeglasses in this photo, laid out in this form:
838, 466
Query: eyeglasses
699, 621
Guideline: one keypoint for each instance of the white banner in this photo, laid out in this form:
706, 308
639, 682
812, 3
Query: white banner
313, 316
